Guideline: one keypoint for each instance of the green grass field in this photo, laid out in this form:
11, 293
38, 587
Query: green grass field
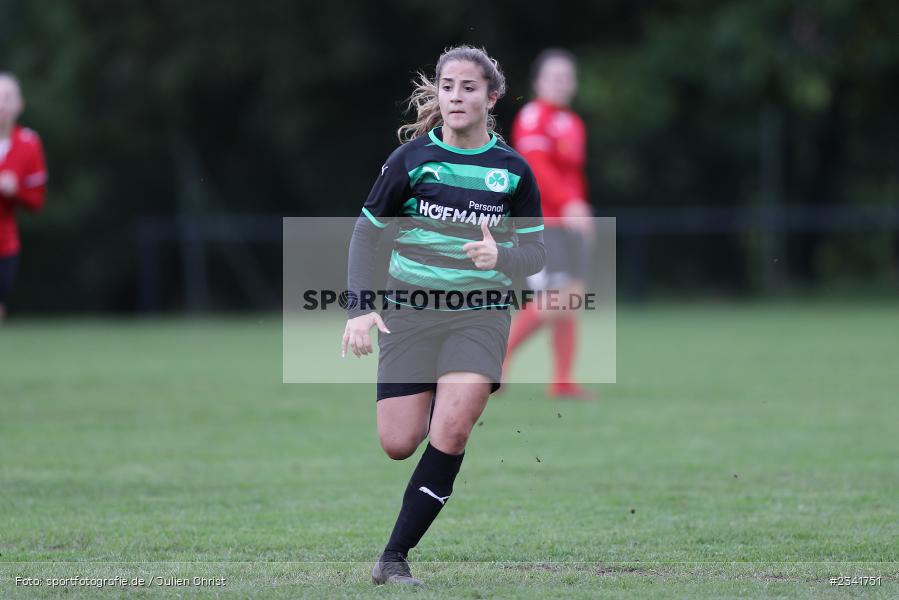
746, 451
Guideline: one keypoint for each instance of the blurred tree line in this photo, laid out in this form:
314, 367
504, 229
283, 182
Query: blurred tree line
160, 107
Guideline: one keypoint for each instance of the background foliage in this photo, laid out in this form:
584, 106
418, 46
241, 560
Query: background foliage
288, 108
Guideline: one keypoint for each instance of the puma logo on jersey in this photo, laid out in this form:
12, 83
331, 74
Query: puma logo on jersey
436, 171
433, 495
384, 168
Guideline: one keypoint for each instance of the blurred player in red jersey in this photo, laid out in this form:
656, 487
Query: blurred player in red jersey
552, 139
23, 179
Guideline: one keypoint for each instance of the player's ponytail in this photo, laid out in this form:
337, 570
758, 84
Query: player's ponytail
423, 102
424, 96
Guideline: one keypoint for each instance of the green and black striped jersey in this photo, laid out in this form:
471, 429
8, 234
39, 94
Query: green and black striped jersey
439, 195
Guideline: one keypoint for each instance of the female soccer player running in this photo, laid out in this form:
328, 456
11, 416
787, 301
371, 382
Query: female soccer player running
23, 178
469, 221
552, 138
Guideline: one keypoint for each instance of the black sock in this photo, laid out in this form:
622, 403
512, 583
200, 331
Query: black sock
435, 473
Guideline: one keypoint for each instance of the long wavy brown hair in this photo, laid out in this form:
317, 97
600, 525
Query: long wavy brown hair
423, 101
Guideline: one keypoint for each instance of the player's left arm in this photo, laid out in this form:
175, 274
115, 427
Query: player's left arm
33, 178
576, 211
529, 255
527, 218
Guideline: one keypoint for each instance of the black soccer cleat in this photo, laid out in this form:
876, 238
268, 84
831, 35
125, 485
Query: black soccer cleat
393, 568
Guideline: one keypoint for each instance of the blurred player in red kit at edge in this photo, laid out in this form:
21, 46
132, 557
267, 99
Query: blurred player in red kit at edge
23, 179
552, 139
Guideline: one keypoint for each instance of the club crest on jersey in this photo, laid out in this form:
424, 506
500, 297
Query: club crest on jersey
497, 180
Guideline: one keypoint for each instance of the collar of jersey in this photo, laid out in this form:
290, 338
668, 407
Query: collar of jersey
446, 146
548, 104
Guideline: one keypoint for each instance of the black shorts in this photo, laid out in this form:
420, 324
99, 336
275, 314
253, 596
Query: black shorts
424, 344
567, 258
8, 267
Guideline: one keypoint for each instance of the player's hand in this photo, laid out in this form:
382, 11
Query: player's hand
356, 335
9, 183
483, 253
575, 289
578, 217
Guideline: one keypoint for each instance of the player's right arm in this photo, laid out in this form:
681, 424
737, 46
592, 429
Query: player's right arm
360, 265
387, 195
531, 139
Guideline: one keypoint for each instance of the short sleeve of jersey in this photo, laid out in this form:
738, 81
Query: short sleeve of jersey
528, 134
525, 210
390, 190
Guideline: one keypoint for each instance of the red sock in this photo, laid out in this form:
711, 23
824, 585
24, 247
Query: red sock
524, 325
564, 342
